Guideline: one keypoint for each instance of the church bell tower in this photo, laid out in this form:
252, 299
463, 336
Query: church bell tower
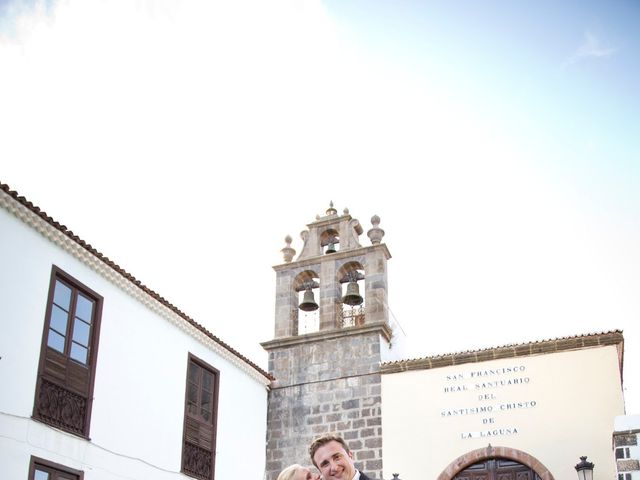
331, 332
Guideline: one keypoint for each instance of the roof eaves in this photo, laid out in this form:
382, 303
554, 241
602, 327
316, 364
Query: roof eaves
613, 337
121, 271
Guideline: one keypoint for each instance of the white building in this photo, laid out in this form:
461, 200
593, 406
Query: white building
626, 441
518, 412
528, 411
104, 379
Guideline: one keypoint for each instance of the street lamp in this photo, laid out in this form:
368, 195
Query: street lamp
584, 469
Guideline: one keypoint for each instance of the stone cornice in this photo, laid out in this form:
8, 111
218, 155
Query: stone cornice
378, 327
65, 239
329, 220
342, 254
510, 351
626, 432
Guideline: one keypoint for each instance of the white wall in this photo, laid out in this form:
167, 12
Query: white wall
137, 416
573, 398
626, 422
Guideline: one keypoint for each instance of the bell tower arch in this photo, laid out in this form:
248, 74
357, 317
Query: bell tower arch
327, 380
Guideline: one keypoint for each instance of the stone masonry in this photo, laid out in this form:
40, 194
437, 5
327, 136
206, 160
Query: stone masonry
626, 443
329, 380
326, 385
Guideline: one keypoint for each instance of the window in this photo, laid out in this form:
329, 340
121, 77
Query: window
622, 453
624, 476
44, 470
68, 355
200, 413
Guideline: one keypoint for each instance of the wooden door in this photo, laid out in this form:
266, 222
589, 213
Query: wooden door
497, 469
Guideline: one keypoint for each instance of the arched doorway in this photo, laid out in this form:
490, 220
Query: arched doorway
496, 463
497, 469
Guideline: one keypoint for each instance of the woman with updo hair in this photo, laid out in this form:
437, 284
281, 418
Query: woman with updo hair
298, 472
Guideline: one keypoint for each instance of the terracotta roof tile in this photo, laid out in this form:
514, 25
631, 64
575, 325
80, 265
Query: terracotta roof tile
63, 229
574, 342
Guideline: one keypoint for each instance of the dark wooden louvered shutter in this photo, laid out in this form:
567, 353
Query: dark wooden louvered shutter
198, 450
67, 359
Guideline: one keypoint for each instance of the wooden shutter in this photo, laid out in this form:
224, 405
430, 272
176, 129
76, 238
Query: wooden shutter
68, 355
201, 398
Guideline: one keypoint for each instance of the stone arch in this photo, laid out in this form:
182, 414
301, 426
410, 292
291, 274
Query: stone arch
304, 279
330, 235
489, 452
346, 267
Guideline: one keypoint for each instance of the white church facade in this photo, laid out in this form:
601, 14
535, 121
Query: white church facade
520, 411
517, 412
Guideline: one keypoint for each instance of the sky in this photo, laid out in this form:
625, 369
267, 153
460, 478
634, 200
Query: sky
498, 142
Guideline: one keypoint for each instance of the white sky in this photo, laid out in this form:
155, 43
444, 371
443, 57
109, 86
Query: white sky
184, 140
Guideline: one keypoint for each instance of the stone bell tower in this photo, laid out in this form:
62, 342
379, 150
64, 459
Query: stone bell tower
331, 331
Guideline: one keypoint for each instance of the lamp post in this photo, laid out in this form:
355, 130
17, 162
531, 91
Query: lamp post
584, 469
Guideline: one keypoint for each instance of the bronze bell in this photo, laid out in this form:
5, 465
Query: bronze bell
331, 247
308, 303
352, 297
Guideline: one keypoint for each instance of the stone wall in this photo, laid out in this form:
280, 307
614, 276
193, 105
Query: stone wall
325, 383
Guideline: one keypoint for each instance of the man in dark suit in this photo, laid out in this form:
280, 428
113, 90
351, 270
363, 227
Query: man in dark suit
331, 455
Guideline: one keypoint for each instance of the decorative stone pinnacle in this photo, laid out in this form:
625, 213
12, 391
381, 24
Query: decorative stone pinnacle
331, 210
376, 233
288, 252
345, 211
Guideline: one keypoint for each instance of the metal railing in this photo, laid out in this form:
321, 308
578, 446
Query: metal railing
350, 316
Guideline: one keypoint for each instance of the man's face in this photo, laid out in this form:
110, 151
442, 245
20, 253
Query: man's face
334, 462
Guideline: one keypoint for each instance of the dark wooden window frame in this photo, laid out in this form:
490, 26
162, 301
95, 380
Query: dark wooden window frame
622, 453
57, 273
35, 462
216, 384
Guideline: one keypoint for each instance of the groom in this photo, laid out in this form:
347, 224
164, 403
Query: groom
331, 455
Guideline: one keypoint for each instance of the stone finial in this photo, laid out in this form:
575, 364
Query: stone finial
345, 211
331, 210
288, 252
376, 233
